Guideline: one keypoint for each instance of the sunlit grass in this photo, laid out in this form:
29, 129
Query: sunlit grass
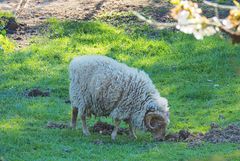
199, 78
12, 123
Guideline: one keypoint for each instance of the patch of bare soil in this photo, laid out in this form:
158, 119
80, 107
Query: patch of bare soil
220, 135
229, 134
193, 139
35, 92
106, 129
33, 15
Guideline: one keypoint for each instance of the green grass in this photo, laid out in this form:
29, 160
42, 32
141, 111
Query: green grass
200, 78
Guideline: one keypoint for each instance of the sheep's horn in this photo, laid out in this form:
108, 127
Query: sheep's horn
148, 120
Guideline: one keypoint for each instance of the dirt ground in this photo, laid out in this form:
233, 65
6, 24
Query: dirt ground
32, 14
216, 134
39, 10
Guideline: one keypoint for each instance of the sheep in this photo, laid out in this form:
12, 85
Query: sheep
102, 86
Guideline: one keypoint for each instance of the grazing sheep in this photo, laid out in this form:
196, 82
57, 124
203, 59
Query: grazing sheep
103, 87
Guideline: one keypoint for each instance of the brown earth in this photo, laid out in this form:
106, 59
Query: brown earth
35, 92
32, 15
216, 134
106, 129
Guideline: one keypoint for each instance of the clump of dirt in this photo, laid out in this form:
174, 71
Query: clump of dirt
230, 134
54, 125
183, 135
11, 25
37, 92
220, 135
217, 134
67, 101
106, 129
193, 140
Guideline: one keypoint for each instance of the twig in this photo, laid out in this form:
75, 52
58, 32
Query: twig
160, 25
235, 36
219, 5
152, 22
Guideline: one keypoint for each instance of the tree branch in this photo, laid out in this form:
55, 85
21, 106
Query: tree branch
154, 23
219, 5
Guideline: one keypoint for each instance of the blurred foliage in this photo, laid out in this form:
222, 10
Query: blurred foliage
6, 46
4, 17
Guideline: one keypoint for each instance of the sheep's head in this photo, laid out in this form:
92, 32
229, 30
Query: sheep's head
157, 118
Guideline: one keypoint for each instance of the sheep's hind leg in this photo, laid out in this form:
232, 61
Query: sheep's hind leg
114, 133
84, 126
74, 117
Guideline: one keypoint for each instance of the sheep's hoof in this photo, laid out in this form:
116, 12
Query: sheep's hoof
113, 136
86, 133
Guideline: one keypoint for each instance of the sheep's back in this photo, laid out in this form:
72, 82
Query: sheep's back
107, 85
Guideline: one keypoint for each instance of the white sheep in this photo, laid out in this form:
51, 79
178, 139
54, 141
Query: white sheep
104, 87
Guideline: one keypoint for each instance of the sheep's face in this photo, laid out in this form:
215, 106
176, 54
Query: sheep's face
156, 120
156, 123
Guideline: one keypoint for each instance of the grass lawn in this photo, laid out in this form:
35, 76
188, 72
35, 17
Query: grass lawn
201, 80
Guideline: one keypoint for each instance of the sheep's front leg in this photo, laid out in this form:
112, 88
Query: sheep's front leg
74, 117
132, 131
84, 125
114, 133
